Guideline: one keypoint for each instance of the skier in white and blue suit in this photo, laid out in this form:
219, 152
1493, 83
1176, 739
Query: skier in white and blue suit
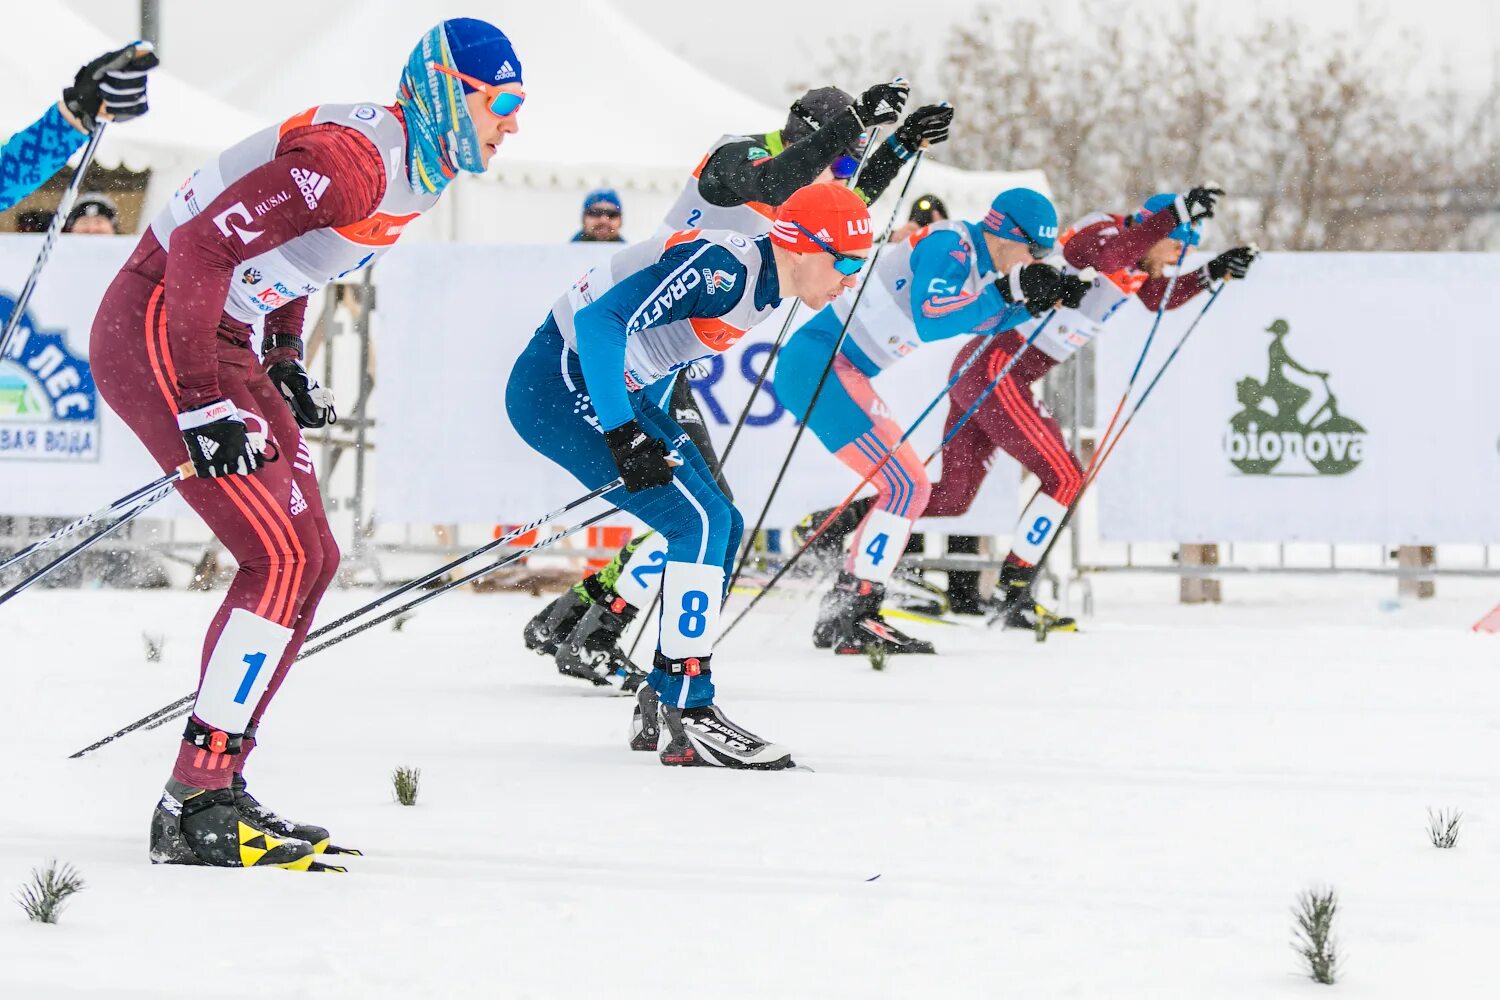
111, 88
587, 393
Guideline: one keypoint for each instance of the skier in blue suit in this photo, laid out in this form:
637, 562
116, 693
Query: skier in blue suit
586, 393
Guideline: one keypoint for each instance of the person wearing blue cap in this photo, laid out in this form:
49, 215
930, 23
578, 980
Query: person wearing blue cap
602, 214
947, 279
1131, 254
244, 241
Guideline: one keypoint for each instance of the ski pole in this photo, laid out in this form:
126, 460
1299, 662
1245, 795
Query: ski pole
1106, 447
186, 699
441, 571
891, 453
53, 229
182, 705
1109, 449
86, 543
164, 484
827, 369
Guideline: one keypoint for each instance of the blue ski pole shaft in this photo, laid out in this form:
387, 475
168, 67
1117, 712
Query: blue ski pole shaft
1106, 445
1109, 447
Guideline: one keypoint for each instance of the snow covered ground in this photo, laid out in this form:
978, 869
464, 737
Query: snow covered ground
1128, 812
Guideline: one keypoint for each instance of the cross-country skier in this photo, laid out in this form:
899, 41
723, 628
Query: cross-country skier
654, 309
941, 282
737, 186
110, 88
1131, 254
244, 240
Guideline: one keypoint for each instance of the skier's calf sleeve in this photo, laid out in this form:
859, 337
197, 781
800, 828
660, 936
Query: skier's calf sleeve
691, 596
878, 545
240, 669
640, 575
1038, 522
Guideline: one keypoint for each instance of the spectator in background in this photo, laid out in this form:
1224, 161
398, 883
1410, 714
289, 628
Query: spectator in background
34, 221
924, 212
601, 218
95, 213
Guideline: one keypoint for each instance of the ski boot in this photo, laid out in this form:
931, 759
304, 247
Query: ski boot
592, 650
704, 736
200, 826
858, 622
1019, 608
645, 723
829, 546
257, 815
553, 623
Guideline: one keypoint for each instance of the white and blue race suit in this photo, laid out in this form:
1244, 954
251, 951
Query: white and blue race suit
939, 283
604, 356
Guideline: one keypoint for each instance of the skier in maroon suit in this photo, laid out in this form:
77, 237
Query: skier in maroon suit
1131, 254
244, 239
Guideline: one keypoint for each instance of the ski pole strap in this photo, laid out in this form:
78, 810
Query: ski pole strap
691, 666
213, 740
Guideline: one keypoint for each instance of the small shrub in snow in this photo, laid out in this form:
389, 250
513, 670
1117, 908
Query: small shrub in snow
42, 898
154, 642
1313, 936
1442, 827
407, 781
877, 654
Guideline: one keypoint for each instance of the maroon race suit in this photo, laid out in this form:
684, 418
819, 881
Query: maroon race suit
173, 333
1011, 419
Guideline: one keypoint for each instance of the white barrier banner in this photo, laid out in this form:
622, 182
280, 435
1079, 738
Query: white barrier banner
1328, 397
62, 451
451, 321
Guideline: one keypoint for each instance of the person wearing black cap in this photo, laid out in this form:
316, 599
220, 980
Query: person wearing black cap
602, 213
926, 210
95, 213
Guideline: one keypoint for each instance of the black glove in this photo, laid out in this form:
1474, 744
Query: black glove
1198, 204
925, 126
882, 103
114, 83
1039, 286
1073, 290
312, 405
1231, 263
641, 458
217, 441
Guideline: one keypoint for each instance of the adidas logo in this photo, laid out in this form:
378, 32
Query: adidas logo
311, 183
505, 72
208, 446
298, 504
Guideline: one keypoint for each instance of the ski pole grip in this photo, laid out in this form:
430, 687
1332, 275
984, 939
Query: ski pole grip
186, 471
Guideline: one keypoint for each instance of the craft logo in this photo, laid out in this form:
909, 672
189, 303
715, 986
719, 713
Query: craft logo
48, 403
1288, 429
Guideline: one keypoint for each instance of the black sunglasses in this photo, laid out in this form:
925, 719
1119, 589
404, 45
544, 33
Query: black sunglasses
605, 213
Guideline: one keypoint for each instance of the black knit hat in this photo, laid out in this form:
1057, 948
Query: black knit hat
815, 109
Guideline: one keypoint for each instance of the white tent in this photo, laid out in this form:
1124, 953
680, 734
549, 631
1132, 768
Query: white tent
184, 124
638, 117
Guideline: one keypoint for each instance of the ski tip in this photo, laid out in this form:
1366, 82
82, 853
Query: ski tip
873, 877
349, 851
318, 866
